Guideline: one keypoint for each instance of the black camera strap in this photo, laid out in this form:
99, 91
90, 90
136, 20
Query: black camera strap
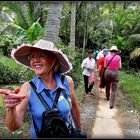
39, 96
110, 61
63, 91
48, 94
43, 102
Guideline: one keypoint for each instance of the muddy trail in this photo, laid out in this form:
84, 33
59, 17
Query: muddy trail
104, 123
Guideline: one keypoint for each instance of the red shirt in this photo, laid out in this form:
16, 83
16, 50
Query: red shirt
101, 63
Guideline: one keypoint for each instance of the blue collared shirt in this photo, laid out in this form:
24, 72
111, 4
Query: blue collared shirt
37, 108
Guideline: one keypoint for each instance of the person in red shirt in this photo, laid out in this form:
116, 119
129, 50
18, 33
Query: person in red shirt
101, 66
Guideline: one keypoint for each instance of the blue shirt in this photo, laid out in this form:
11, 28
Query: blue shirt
37, 108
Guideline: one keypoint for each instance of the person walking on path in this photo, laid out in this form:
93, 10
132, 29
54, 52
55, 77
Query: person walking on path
101, 67
49, 64
95, 53
112, 74
100, 54
88, 66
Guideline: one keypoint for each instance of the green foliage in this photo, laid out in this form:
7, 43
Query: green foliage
24, 20
75, 57
65, 23
120, 42
77, 70
6, 43
134, 41
30, 35
11, 72
130, 85
7, 75
35, 32
135, 53
16, 8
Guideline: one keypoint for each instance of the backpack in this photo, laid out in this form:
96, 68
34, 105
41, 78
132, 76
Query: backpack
53, 125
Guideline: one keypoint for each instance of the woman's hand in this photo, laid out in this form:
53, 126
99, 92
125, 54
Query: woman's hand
12, 98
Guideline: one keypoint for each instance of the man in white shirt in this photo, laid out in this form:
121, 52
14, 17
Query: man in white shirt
100, 54
88, 66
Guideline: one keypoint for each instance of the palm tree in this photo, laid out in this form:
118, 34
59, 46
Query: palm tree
53, 21
135, 53
72, 35
24, 20
85, 30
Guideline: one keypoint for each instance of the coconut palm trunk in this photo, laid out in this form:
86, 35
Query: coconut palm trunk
72, 36
53, 21
85, 32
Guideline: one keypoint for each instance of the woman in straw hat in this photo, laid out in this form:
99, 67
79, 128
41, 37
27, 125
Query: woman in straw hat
49, 64
112, 73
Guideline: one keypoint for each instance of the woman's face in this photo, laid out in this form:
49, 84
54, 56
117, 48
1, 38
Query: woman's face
90, 55
41, 61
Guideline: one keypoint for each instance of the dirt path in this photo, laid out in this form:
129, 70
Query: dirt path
100, 121
105, 122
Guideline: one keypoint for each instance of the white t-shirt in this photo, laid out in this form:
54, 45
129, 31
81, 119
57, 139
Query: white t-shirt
89, 64
99, 55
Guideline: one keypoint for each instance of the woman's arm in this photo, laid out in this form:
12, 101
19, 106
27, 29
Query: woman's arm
120, 64
16, 111
75, 107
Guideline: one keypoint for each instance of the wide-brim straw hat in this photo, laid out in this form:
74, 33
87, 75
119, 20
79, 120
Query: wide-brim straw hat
21, 53
114, 48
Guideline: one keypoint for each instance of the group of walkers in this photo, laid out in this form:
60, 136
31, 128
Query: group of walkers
107, 60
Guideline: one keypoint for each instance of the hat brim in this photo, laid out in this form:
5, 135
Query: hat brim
114, 50
21, 56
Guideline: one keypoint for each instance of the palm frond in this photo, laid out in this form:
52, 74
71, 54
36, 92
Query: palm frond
29, 12
16, 8
12, 29
135, 53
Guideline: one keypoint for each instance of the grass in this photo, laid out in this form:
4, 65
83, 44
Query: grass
130, 85
1, 100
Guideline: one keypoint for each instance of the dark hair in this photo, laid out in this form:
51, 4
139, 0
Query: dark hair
90, 51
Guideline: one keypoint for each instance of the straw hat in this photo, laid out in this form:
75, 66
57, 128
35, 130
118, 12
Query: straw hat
20, 54
114, 48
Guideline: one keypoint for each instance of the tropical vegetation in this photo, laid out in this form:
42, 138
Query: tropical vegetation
75, 27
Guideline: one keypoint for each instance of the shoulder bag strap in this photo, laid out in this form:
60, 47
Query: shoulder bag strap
63, 77
43, 102
56, 98
110, 61
46, 106
39, 96
42, 99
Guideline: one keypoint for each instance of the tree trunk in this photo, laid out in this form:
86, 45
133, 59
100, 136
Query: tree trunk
72, 35
53, 21
85, 32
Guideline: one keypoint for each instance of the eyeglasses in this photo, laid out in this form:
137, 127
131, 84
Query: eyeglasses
41, 56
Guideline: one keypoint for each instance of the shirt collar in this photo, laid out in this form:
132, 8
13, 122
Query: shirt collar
41, 86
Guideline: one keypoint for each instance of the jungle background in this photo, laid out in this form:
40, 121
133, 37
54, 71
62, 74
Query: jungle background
74, 27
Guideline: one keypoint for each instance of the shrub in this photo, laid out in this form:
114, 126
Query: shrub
12, 73
130, 85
